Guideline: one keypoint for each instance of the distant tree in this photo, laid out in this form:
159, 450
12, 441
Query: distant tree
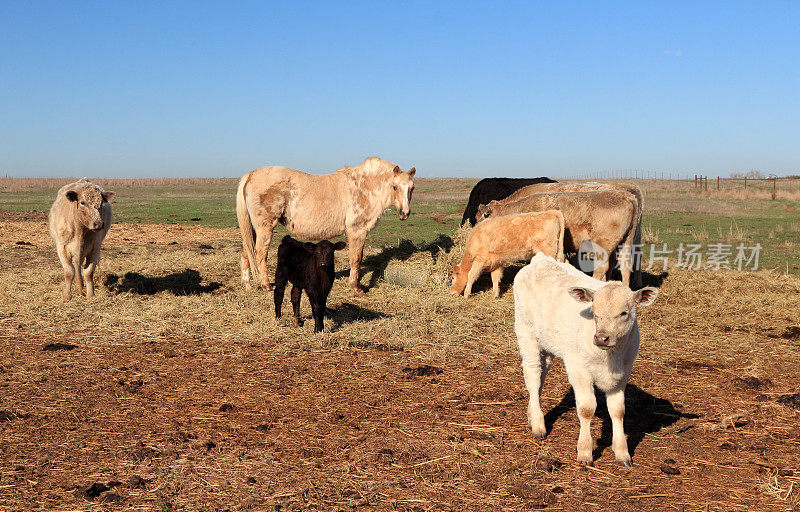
756, 174
737, 175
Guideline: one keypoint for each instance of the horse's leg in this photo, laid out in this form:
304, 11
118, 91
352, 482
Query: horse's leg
356, 243
263, 240
245, 266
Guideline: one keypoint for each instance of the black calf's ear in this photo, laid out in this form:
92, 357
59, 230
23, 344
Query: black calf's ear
581, 294
309, 246
109, 195
72, 195
338, 246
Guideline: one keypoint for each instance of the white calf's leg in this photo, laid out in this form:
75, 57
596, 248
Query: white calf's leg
87, 272
616, 409
69, 270
586, 404
532, 370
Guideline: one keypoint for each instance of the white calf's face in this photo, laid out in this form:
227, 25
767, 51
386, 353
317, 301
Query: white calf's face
88, 201
614, 310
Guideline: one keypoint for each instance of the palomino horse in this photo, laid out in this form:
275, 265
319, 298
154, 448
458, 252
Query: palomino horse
349, 201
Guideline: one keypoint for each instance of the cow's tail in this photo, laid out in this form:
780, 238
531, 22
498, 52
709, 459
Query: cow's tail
246, 227
637, 241
560, 249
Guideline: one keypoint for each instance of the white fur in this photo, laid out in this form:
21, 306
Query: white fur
550, 323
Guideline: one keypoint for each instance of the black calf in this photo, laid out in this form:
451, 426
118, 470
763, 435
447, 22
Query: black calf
495, 189
308, 267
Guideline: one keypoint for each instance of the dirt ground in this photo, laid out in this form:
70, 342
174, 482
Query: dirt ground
176, 390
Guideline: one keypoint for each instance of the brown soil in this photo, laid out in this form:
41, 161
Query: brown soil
414, 401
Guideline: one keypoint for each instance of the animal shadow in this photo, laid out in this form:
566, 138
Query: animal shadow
484, 281
188, 282
377, 263
644, 414
347, 313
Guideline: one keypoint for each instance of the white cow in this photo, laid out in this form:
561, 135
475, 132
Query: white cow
591, 325
79, 220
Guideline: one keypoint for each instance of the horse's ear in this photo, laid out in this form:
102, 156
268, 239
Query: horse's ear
396, 170
412, 172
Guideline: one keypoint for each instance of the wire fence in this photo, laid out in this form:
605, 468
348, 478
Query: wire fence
776, 187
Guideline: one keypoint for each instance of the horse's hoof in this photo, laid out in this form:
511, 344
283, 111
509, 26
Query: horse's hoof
358, 292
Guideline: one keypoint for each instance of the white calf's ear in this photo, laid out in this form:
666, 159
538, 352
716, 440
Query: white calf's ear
72, 195
581, 294
109, 195
646, 296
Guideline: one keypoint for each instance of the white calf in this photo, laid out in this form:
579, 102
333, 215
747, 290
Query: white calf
589, 324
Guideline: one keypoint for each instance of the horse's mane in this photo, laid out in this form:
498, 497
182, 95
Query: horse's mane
370, 166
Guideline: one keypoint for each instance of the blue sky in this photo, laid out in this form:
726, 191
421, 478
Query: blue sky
144, 89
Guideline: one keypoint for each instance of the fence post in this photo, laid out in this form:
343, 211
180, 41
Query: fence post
695, 181
717, 183
774, 190
745, 182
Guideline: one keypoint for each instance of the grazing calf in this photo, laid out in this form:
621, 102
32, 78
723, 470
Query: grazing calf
491, 189
308, 267
79, 220
592, 327
504, 240
605, 217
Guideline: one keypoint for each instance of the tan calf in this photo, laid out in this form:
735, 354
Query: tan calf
79, 220
498, 242
605, 217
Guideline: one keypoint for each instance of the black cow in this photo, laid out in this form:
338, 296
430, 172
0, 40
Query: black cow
495, 189
309, 267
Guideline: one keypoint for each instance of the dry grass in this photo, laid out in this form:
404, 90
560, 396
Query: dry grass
8, 184
333, 422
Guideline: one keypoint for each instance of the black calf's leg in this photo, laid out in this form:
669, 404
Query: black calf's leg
317, 311
281, 278
296, 293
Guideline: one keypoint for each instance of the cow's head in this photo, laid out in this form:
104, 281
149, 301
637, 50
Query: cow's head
459, 280
89, 200
402, 187
484, 212
323, 253
614, 310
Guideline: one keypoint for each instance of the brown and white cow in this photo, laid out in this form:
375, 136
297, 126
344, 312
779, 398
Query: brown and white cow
498, 242
79, 220
579, 186
605, 217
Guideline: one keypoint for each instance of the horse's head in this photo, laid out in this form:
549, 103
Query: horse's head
402, 187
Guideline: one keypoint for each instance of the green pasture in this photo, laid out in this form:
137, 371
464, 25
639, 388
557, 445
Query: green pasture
671, 216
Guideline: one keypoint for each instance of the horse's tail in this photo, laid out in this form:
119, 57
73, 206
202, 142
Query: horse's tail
246, 227
560, 250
